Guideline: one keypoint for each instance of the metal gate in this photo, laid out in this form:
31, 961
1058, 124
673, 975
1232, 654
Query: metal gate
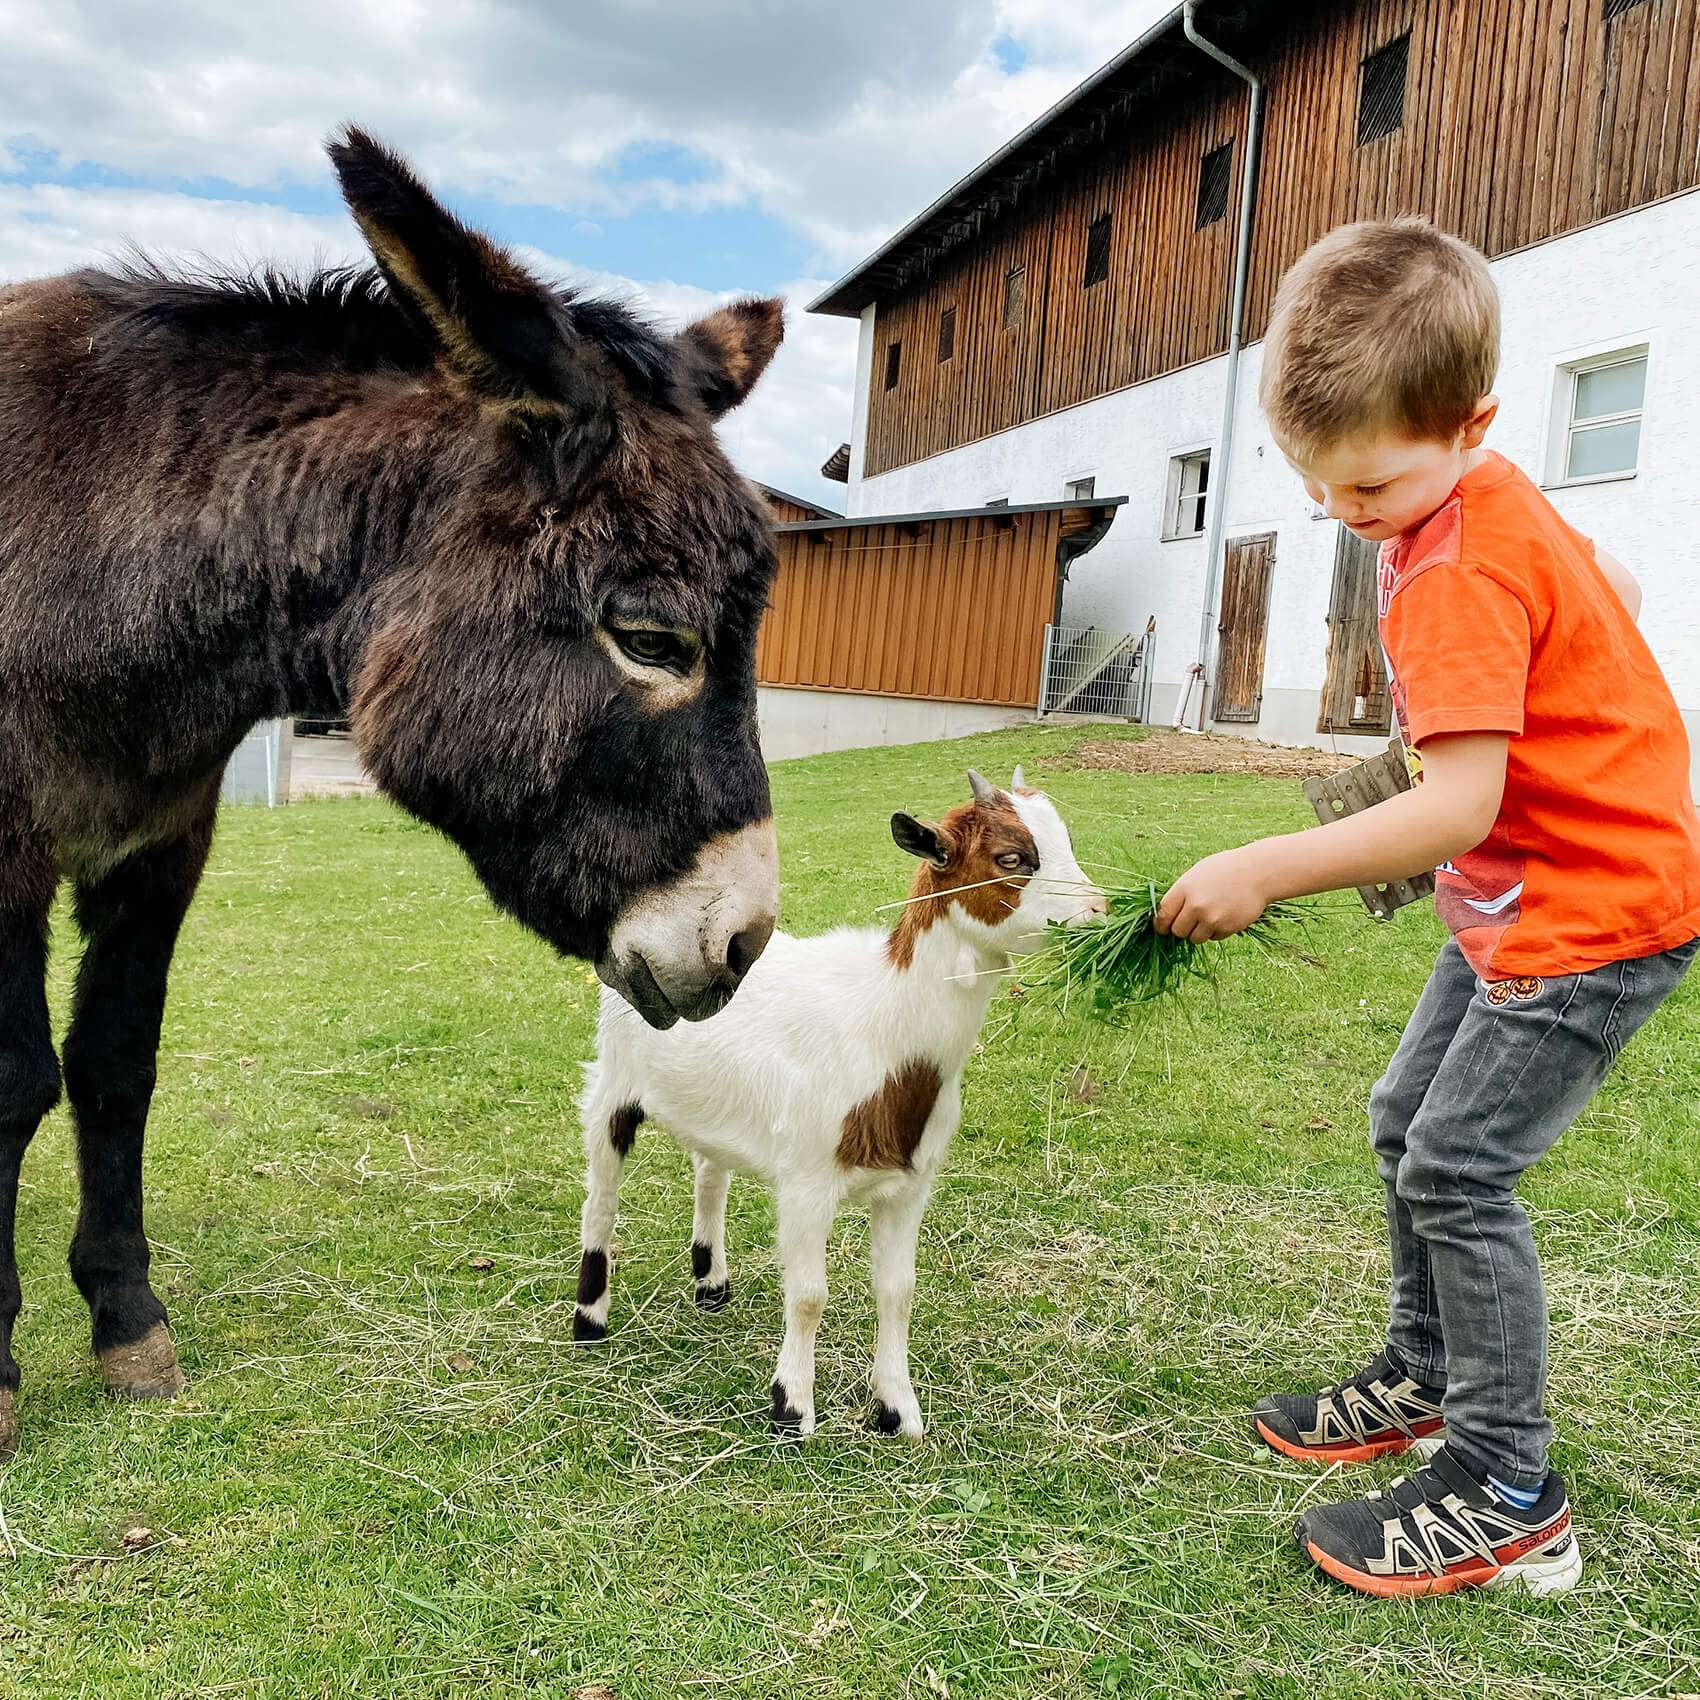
1088, 670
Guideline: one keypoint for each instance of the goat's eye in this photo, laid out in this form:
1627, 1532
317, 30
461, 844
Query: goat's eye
651, 648
1012, 860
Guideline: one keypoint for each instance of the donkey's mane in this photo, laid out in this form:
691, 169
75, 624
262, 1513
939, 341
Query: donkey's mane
344, 314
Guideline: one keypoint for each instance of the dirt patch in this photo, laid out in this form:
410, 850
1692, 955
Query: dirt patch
1203, 752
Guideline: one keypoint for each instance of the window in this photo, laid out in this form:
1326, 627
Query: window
1599, 409
893, 361
1097, 251
947, 334
1381, 90
1080, 489
997, 501
1189, 486
1214, 171
1014, 296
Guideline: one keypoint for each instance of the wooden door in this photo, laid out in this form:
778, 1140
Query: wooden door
1243, 628
1355, 697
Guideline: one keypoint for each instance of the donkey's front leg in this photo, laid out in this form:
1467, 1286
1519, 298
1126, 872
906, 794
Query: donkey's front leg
29, 1077
894, 1224
130, 918
805, 1219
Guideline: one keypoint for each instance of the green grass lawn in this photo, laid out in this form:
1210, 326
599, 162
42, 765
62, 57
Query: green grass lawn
393, 1474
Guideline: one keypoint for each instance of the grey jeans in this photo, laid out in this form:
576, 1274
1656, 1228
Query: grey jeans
1486, 1077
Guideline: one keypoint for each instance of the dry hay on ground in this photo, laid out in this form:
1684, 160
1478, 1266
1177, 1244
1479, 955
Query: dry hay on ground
1203, 752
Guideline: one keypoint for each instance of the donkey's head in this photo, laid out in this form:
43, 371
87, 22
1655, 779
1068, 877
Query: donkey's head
998, 868
558, 669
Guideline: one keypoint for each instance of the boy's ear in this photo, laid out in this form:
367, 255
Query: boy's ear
496, 324
724, 353
930, 843
1476, 426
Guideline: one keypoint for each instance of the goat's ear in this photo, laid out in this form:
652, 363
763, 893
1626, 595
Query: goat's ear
726, 352
494, 322
930, 843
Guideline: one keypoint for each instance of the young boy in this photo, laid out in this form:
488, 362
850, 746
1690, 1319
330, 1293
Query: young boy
1554, 802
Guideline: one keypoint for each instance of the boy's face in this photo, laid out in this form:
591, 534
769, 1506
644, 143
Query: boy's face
1379, 486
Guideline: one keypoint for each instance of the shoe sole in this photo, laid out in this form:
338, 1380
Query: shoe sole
1538, 1577
1425, 1447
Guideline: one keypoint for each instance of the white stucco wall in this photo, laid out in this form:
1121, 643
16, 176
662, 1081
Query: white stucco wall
1627, 281
809, 723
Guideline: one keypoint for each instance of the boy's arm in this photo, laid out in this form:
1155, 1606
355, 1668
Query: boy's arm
1622, 580
1451, 811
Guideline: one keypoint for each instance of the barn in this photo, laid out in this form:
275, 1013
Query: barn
1082, 312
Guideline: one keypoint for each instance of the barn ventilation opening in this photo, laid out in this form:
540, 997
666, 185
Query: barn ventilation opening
947, 334
1616, 8
1097, 251
1381, 90
893, 360
1014, 296
1214, 171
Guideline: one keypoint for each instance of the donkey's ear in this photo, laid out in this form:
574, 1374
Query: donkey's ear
928, 842
495, 323
727, 351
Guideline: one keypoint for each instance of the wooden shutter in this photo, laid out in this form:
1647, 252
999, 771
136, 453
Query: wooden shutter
1243, 628
1355, 697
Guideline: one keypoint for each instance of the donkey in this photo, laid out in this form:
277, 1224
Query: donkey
836, 1075
486, 519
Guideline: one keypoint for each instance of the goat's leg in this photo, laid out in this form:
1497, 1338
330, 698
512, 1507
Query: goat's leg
805, 1218
130, 918
708, 1235
29, 1078
609, 1129
894, 1224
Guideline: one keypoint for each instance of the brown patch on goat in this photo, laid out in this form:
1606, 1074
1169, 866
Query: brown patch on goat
978, 834
623, 1126
883, 1130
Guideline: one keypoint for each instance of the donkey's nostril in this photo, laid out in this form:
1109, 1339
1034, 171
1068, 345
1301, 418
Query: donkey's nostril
746, 946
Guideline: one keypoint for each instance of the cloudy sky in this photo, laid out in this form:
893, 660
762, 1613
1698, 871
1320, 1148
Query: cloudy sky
671, 151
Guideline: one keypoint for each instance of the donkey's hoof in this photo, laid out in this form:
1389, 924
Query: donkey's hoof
587, 1330
145, 1369
8, 1424
714, 1298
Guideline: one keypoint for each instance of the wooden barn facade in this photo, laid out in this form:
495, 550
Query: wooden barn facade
1062, 319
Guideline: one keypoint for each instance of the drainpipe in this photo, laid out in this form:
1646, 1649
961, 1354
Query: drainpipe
1221, 475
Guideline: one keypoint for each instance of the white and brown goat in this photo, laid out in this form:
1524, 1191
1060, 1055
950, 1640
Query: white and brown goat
836, 1074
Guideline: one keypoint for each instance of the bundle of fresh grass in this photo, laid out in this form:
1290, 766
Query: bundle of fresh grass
1124, 961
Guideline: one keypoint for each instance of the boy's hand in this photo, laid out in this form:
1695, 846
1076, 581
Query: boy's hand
1216, 898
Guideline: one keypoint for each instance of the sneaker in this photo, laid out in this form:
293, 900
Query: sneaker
1440, 1530
1378, 1412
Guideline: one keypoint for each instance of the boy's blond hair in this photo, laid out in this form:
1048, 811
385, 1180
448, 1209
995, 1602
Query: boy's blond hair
1383, 328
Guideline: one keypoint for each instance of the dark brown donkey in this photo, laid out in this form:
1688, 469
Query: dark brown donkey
485, 519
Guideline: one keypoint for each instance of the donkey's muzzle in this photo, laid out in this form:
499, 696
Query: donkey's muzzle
679, 951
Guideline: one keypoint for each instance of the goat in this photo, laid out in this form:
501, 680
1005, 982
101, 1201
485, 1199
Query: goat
836, 1074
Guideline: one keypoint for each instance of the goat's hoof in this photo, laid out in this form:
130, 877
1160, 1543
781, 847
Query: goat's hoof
714, 1298
888, 1419
587, 1330
8, 1424
788, 1422
144, 1369
884, 1420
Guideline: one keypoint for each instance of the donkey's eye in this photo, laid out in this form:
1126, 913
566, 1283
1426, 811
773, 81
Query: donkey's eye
1012, 860
651, 648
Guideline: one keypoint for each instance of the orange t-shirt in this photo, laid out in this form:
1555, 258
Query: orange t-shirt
1496, 618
